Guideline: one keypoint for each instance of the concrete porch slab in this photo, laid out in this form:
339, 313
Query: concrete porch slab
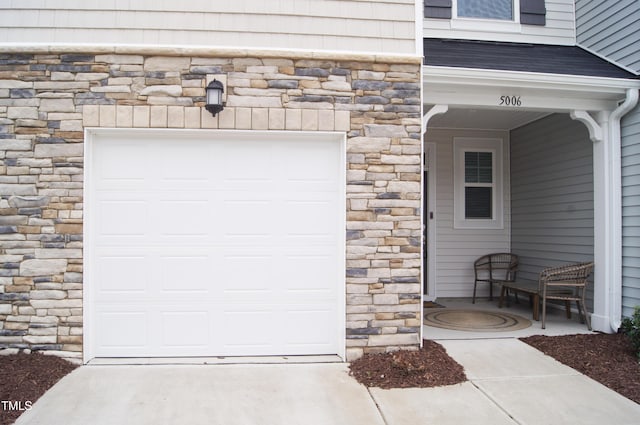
557, 322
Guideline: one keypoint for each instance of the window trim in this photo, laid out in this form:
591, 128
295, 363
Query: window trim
466, 144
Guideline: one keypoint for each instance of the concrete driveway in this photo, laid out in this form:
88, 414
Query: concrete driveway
509, 383
206, 394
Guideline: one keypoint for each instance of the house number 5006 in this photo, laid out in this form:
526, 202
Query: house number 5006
510, 101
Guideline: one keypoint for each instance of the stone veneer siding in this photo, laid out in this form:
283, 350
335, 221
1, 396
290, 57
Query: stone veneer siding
47, 98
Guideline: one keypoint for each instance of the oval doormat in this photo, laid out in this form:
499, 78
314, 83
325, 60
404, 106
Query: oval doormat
475, 320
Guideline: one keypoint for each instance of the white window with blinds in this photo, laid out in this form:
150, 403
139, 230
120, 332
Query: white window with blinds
478, 195
482, 9
506, 14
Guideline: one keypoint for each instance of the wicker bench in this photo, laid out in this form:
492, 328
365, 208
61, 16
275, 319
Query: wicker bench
566, 283
528, 288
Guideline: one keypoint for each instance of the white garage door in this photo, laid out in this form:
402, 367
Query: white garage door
214, 244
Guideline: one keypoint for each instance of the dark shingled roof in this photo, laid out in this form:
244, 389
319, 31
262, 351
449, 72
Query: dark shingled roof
568, 60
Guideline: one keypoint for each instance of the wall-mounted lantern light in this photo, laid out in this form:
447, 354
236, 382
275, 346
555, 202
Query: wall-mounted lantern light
214, 97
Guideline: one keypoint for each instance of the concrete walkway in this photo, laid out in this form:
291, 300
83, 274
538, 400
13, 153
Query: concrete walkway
509, 383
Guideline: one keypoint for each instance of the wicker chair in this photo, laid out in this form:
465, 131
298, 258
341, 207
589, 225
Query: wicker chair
566, 283
494, 268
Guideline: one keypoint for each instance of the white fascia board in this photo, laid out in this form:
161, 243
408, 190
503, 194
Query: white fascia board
475, 96
537, 80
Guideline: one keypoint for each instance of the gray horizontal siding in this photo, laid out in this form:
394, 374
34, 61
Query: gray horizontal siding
611, 28
551, 194
457, 249
630, 211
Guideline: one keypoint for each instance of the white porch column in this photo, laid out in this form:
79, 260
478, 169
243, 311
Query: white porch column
429, 269
607, 168
614, 283
603, 249
606, 210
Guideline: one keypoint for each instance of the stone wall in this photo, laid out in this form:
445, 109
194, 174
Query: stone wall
48, 98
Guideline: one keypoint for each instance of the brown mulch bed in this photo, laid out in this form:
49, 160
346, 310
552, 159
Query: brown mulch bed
608, 359
24, 378
430, 366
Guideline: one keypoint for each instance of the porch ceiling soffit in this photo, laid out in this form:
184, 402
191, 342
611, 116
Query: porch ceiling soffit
460, 87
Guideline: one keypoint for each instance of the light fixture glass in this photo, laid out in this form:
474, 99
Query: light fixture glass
214, 97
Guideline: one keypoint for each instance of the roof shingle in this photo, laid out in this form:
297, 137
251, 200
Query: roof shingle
568, 60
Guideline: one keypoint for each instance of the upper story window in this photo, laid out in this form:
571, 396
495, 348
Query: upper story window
495, 9
511, 12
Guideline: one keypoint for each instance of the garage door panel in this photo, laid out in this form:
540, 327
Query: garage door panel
313, 284
258, 160
218, 274
191, 165
124, 218
121, 275
299, 332
154, 330
246, 218
185, 329
208, 245
314, 172
248, 329
123, 331
148, 271
311, 219
312, 187
114, 169
135, 223
246, 274
304, 332
180, 218
322, 174
188, 274
246, 185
